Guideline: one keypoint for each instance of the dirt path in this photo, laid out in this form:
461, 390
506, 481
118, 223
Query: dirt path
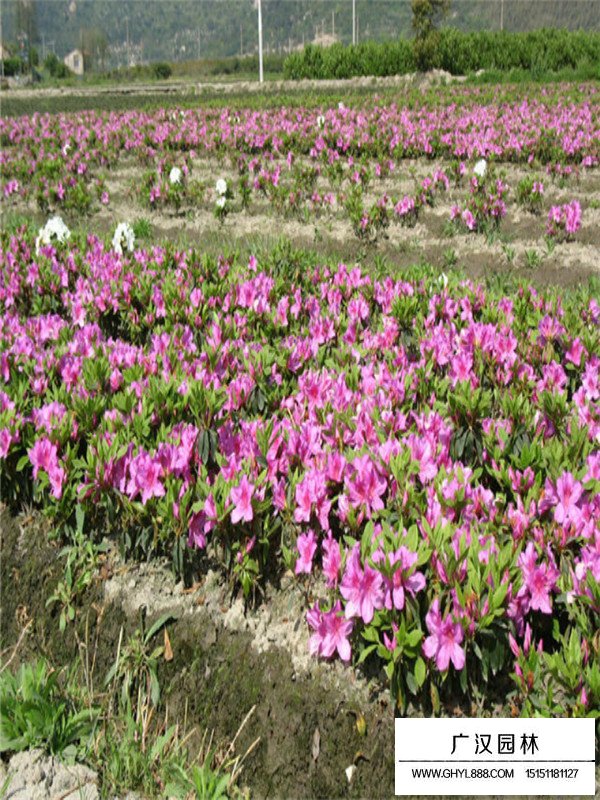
187, 87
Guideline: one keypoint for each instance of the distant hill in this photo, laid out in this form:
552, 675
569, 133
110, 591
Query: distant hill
178, 30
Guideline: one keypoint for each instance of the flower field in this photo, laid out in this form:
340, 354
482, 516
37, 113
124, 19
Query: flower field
387, 174
421, 450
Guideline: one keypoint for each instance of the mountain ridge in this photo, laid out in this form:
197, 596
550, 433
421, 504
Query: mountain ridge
117, 31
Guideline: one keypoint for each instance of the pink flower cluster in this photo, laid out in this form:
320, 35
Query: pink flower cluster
402, 433
564, 221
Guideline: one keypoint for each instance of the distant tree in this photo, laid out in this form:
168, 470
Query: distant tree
11, 66
161, 70
55, 67
26, 18
427, 16
94, 46
26, 25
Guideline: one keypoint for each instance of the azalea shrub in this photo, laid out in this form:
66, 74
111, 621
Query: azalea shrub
486, 205
564, 221
423, 453
168, 186
530, 194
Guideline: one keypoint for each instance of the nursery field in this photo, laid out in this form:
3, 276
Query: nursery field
336, 366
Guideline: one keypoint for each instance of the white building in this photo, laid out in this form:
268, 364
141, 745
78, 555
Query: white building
74, 61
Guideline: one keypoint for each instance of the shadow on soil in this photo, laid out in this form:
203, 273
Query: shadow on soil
213, 681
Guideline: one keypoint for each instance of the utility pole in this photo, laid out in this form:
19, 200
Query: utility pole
501, 15
127, 40
260, 44
333, 24
241, 40
353, 21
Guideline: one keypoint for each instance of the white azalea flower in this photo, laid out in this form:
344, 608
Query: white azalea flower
124, 236
480, 168
220, 202
54, 230
175, 176
320, 120
221, 186
341, 106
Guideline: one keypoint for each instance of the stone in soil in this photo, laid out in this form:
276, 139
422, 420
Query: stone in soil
34, 775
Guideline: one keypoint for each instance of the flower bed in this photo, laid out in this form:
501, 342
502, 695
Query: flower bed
307, 162
423, 453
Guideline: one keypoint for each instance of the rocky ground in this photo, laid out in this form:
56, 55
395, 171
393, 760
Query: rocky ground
33, 775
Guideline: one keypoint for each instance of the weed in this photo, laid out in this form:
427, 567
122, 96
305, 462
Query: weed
509, 253
532, 258
35, 712
82, 559
135, 671
450, 258
142, 229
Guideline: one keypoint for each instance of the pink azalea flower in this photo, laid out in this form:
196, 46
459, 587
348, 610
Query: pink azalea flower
307, 546
241, 496
144, 476
312, 491
6, 439
444, 640
196, 535
366, 486
593, 465
539, 581
362, 589
403, 579
304, 500
331, 632
202, 523
332, 560
56, 476
575, 352
43, 455
336, 465
568, 493
389, 642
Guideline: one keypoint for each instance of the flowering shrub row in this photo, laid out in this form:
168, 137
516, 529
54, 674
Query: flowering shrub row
550, 128
306, 162
425, 453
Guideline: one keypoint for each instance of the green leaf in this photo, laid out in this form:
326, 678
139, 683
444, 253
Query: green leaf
366, 652
411, 683
414, 637
160, 623
420, 672
154, 688
499, 595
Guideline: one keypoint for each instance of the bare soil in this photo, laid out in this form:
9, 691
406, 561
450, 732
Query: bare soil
518, 248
